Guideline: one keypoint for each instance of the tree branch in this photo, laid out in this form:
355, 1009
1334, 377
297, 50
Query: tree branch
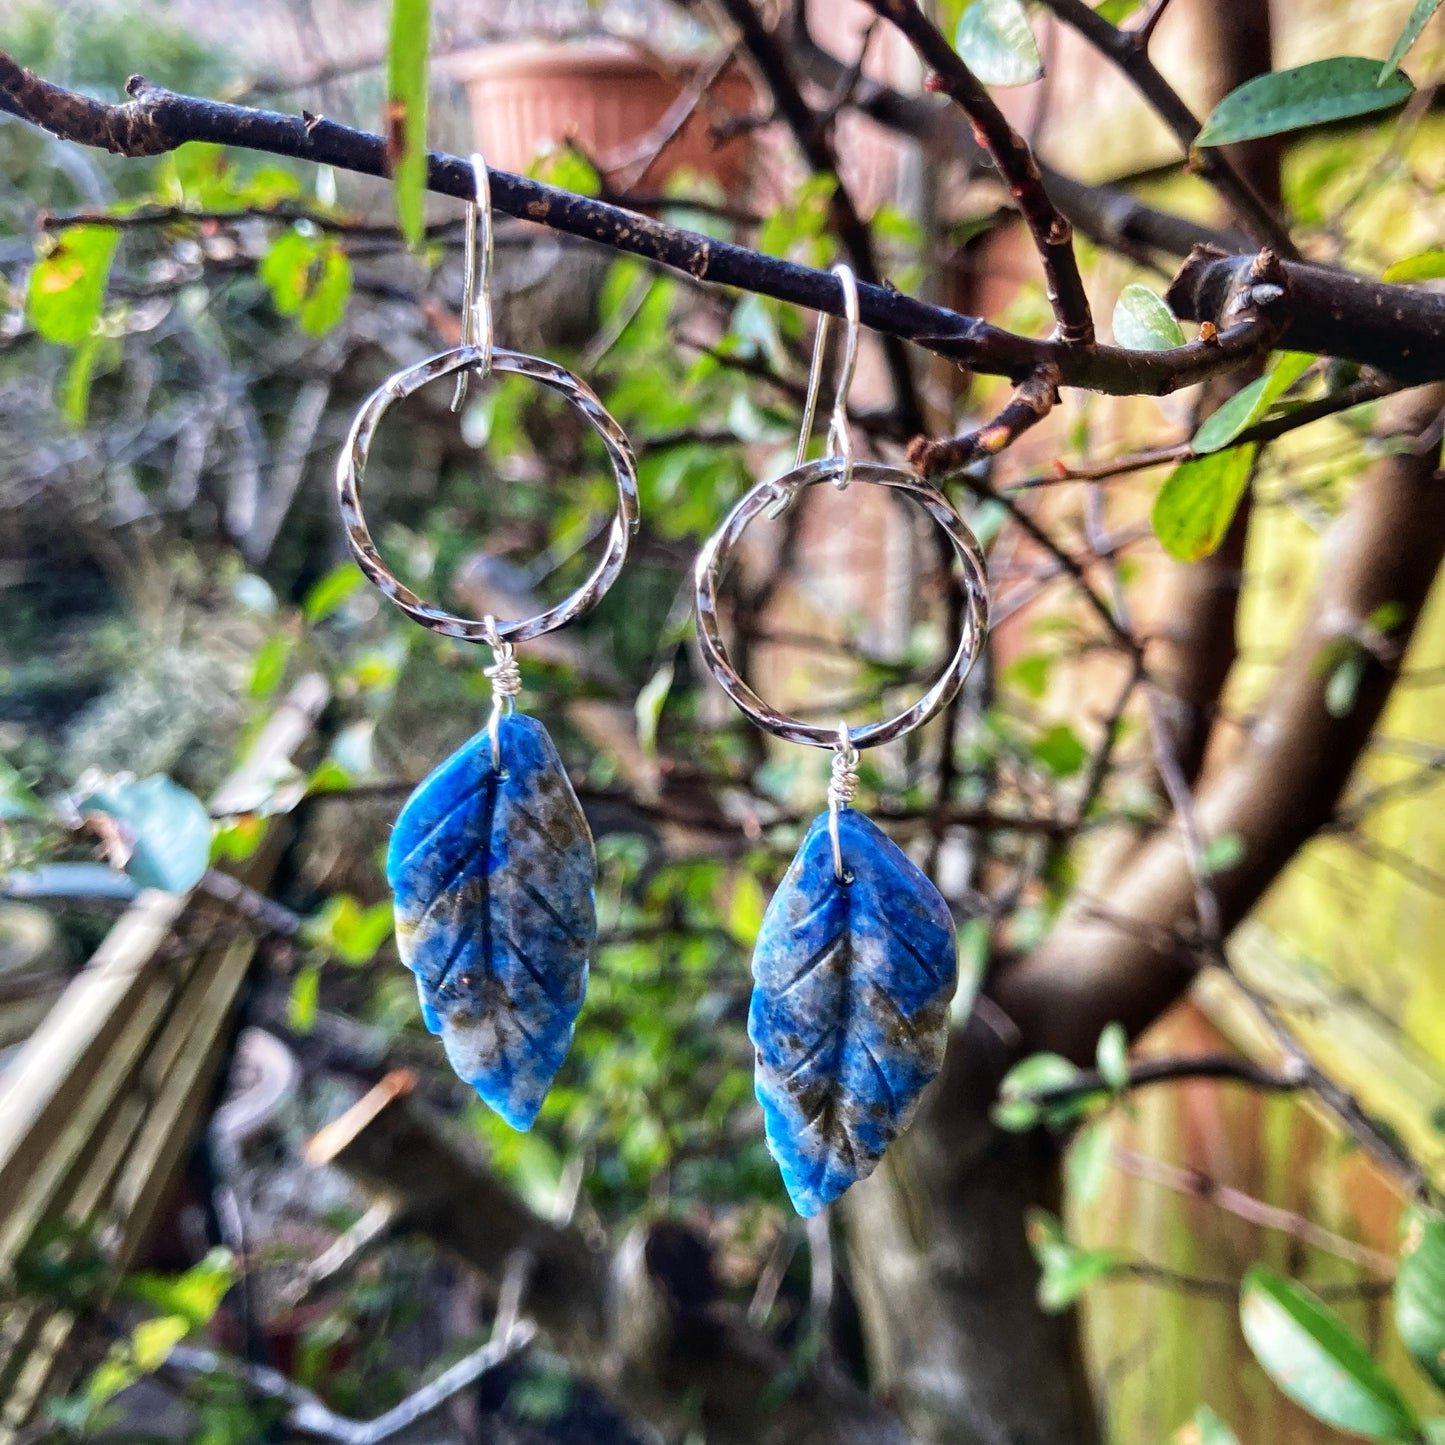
1281, 788
157, 120
1052, 233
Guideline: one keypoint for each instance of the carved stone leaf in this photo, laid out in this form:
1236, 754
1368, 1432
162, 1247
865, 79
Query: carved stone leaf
493, 875
849, 1016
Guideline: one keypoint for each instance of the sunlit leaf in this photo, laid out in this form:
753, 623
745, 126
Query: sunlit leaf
1142, 321
1198, 500
17, 799
67, 284
1037, 1074
651, 699
995, 42
1060, 751
331, 591
1066, 1270
1309, 95
406, 98
75, 388
309, 277
1419, 18
1250, 403
1427, 266
1420, 1289
195, 1295
1115, 11
1111, 1055
305, 996
1314, 1357
1086, 1166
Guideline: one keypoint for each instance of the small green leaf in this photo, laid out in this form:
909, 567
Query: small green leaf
1197, 502
745, 909
1312, 1355
1086, 1166
331, 591
170, 830
309, 277
305, 996
152, 1341
195, 1295
1142, 321
1419, 18
1115, 11
1420, 1290
1204, 1428
1111, 1055
268, 669
1037, 1074
1250, 403
17, 798
1344, 685
1066, 1270
651, 699
67, 284
995, 42
1309, 95
75, 388
1060, 751
349, 932
406, 97
1427, 266
1221, 854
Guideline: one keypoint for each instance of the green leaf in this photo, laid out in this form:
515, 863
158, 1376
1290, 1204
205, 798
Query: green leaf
268, 669
1066, 1270
651, 699
1116, 10
406, 96
1086, 1166
1111, 1054
1419, 18
1309, 95
17, 798
152, 1341
1312, 1355
745, 909
1036, 1074
169, 829
309, 277
195, 1295
1344, 685
349, 932
1250, 403
75, 388
67, 285
1221, 854
1420, 1290
1427, 266
1197, 502
1060, 751
331, 591
305, 996
995, 41
1204, 1428
1142, 321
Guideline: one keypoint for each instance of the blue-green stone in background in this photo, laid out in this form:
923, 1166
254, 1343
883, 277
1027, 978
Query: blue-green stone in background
493, 874
849, 1016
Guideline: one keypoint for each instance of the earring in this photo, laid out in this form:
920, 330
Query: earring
855, 963
491, 859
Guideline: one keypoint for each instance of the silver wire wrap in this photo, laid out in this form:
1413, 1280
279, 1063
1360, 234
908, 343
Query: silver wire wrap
842, 790
478, 355
506, 679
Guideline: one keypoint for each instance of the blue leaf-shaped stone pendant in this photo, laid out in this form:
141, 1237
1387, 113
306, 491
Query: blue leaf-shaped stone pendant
493, 873
852, 984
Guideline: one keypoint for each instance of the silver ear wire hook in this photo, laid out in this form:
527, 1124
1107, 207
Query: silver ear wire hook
840, 432
477, 328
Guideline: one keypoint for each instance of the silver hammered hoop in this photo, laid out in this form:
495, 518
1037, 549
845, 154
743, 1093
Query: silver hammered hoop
351, 467
972, 580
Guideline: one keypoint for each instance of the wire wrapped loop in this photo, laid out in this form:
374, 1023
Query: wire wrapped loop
842, 790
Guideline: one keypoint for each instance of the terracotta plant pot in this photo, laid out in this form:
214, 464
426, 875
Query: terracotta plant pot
608, 98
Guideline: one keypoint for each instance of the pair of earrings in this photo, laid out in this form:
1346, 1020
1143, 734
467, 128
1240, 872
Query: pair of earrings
492, 862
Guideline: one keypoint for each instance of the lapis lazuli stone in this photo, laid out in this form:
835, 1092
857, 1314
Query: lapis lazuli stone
849, 1016
493, 873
